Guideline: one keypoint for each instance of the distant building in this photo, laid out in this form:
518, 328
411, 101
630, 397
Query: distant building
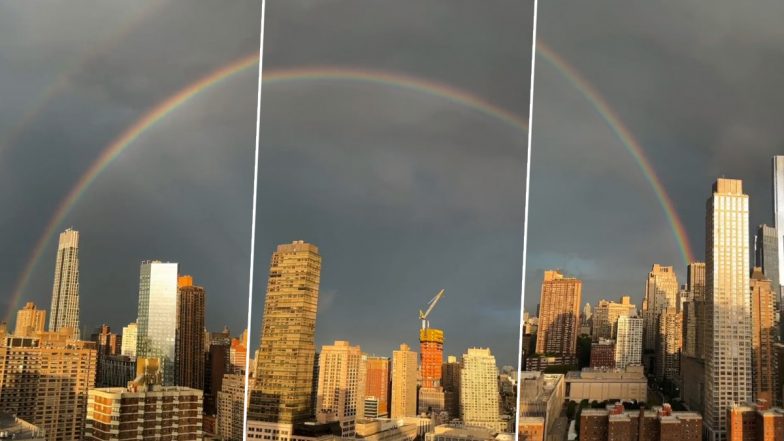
764, 333
558, 324
377, 386
189, 343
661, 292
341, 387
129, 341
668, 352
404, 383
479, 396
466, 433
157, 315
29, 321
606, 315
230, 404
531, 429
64, 312
603, 354
116, 370
627, 384
451, 381
628, 343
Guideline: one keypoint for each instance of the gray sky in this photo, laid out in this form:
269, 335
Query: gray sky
180, 192
697, 84
403, 192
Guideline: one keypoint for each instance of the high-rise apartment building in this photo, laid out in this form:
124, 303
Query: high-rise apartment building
341, 386
728, 308
668, 350
65, 292
694, 313
766, 256
404, 383
230, 406
661, 292
603, 354
189, 343
377, 384
108, 342
606, 315
129, 340
763, 336
450, 378
44, 380
283, 380
157, 315
29, 321
755, 422
778, 217
559, 315
628, 343
479, 396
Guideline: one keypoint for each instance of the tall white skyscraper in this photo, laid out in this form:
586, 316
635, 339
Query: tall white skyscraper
628, 344
128, 345
728, 325
778, 225
479, 389
65, 292
157, 322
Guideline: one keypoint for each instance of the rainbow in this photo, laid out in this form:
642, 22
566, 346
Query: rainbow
628, 140
164, 108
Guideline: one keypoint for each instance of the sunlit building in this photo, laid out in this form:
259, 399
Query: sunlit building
64, 312
404, 383
559, 315
29, 321
189, 343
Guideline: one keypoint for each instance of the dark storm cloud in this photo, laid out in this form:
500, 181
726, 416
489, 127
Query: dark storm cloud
181, 192
698, 85
403, 192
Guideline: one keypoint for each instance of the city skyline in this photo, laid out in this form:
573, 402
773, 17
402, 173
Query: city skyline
694, 96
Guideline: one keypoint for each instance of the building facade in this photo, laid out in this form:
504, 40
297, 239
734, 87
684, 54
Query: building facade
65, 292
189, 343
157, 315
283, 381
728, 318
559, 315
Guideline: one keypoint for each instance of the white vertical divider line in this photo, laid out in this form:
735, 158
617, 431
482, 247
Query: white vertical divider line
525, 218
253, 227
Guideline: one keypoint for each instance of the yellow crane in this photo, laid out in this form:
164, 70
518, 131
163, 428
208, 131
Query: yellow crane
423, 315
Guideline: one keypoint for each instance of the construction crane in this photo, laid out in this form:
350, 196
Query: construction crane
432, 303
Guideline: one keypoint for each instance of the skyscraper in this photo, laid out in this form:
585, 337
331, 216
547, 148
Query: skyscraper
606, 315
432, 352
404, 383
668, 350
189, 344
661, 292
157, 322
128, 344
341, 386
766, 256
377, 383
65, 292
284, 366
559, 315
628, 344
479, 397
728, 327
763, 336
778, 214
29, 321
694, 311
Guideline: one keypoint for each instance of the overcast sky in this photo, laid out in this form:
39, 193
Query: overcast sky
699, 85
181, 192
404, 193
